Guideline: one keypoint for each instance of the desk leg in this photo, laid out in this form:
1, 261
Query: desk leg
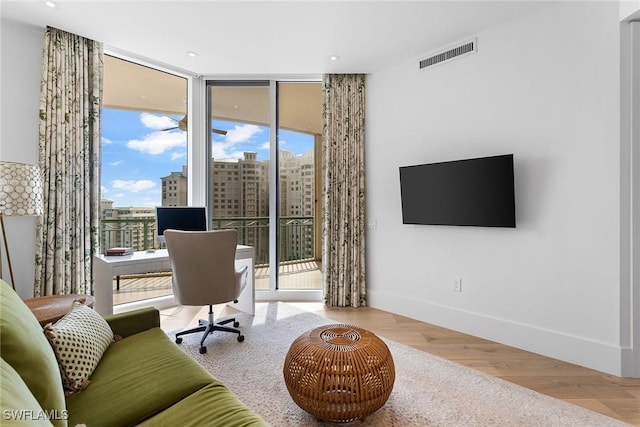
103, 287
246, 301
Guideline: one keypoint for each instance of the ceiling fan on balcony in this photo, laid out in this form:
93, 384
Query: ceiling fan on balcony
182, 125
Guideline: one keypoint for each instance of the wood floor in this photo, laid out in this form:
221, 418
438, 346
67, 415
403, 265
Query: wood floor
612, 396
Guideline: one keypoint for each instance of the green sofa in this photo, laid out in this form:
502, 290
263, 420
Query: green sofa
143, 379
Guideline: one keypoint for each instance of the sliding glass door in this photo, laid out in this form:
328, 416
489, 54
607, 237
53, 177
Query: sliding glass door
239, 167
143, 164
299, 128
263, 177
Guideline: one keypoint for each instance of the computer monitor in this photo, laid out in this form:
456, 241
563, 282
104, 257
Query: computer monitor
187, 218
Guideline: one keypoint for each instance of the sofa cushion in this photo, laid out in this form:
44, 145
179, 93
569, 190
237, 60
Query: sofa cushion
198, 410
136, 378
25, 348
18, 405
79, 339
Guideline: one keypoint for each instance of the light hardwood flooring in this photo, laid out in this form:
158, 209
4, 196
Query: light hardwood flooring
607, 394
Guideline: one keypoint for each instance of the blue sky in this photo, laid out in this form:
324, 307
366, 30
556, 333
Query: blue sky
136, 153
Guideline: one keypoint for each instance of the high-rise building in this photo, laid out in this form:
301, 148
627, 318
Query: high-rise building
174, 188
240, 200
297, 201
132, 227
240, 188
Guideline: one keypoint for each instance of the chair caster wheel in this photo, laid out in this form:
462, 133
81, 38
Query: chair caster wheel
240, 338
178, 340
202, 350
236, 324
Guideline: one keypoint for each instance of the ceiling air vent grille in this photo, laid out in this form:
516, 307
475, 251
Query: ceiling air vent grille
449, 54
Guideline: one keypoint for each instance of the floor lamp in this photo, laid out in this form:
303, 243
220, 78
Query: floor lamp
20, 195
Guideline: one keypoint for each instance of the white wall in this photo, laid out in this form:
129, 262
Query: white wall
20, 67
544, 87
629, 9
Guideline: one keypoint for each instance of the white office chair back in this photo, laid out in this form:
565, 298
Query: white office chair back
203, 266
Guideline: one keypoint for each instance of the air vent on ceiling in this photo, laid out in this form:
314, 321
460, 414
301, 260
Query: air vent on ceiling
449, 54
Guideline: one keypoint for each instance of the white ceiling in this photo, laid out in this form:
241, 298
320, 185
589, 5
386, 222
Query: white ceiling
271, 37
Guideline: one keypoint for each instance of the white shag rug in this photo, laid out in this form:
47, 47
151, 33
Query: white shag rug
428, 390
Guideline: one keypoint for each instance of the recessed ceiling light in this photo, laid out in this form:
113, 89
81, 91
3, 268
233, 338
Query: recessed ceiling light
50, 3
334, 57
192, 53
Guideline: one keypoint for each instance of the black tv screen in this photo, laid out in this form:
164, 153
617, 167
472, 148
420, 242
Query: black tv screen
186, 218
474, 192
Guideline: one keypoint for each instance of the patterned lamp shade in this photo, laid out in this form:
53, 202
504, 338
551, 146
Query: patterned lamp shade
20, 189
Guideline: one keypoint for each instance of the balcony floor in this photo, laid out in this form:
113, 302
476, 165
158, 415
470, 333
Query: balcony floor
293, 276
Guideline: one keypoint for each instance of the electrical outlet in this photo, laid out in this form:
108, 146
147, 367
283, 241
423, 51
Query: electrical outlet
373, 224
456, 284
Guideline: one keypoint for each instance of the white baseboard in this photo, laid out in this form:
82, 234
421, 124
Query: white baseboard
600, 356
301, 295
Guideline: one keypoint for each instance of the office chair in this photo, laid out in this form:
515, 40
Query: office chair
204, 273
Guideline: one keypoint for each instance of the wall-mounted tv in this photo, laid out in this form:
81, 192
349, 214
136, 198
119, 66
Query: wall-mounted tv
186, 218
474, 192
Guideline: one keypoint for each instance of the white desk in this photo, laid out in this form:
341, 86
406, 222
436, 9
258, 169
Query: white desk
106, 267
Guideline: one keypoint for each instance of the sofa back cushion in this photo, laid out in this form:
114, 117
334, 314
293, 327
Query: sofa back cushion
24, 347
18, 405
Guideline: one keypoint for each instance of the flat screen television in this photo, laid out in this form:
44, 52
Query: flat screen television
473, 192
187, 218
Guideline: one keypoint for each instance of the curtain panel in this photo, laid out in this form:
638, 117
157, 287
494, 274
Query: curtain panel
69, 149
343, 205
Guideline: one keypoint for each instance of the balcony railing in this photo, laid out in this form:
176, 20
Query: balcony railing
297, 235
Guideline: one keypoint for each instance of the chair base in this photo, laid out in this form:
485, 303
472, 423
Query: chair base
208, 326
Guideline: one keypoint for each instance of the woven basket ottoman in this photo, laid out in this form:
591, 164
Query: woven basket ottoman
339, 373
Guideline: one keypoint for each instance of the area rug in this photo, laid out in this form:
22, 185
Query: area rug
428, 390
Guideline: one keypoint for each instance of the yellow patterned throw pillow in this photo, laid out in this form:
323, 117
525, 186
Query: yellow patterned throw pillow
79, 339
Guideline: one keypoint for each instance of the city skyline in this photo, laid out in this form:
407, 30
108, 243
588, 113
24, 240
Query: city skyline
240, 200
137, 152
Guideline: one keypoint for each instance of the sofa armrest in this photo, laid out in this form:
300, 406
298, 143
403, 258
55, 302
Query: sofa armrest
135, 321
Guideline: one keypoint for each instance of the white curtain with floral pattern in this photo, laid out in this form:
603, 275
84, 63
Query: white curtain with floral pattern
69, 149
343, 208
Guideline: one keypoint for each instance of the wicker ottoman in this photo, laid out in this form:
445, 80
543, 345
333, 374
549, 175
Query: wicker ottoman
339, 373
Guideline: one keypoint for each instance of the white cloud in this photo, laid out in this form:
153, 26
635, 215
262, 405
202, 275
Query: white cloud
219, 151
176, 156
224, 148
158, 142
149, 203
267, 145
132, 185
237, 155
241, 133
116, 163
157, 122
106, 141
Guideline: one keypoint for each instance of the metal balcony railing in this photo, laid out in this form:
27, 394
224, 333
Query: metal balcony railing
297, 235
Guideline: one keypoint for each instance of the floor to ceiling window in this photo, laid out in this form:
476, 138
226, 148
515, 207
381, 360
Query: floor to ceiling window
263, 142
239, 171
263, 176
144, 163
299, 142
